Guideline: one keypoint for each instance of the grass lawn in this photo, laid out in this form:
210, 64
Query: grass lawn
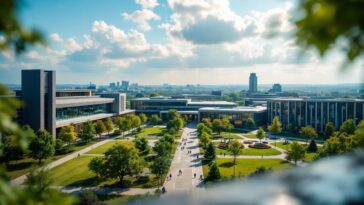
308, 157
151, 131
226, 136
103, 148
250, 136
251, 152
78, 174
20, 167
245, 167
123, 199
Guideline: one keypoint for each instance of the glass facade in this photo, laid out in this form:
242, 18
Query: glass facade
238, 119
314, 112
73, 112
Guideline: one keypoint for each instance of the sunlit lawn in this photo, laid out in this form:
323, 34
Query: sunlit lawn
308, 156
226, 136
251, 136
103, 148
17, 168
76, 173
151, 131
245, 167
251, 152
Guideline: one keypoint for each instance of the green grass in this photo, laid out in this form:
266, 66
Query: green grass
245, 167
103, 148
18, 168
226, 136
76, 173
123, 199
251, 152
308, 156
281, 145
250, 136
151, 131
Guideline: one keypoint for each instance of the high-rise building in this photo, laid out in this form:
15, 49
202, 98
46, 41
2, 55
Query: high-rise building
125, 85
276, 88
253, 83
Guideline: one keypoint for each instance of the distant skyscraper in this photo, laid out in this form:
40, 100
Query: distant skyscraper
253, 83
125, 85
276, 88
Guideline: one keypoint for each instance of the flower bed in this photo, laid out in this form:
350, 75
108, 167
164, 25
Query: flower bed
259, 146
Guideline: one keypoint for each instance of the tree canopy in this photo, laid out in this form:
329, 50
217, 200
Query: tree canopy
41, 147
276, 126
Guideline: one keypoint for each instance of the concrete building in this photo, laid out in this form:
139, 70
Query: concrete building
196, 110
51, 109
253, 83
276, 88
314, 111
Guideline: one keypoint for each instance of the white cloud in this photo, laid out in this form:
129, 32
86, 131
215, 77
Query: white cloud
147, 4
141, 18
55, 37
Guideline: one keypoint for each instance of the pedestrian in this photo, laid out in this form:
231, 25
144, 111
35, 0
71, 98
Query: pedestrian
201, 177
194, 175
170, 175
163, 190
78, 155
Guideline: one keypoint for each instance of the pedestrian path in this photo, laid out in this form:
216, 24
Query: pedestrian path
107, 190
187, 160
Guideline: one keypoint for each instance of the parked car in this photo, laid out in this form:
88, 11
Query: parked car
265, 142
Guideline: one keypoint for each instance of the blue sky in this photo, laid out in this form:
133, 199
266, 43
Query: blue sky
172, 41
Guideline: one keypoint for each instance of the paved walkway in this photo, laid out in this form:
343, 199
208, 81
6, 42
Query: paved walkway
108, 190
189, 164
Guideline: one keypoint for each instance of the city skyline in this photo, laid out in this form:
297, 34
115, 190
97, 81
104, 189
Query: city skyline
155, 42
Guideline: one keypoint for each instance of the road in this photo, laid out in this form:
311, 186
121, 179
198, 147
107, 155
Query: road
189, 164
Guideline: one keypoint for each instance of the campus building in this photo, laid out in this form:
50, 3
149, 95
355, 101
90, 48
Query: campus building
197, 110
314, 111
51, 109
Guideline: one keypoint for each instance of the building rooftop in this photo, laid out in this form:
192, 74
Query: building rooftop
318, 99
81, 101
235, 109
211, 103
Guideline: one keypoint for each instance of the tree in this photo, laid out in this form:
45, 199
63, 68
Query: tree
250, 123
119, 161
329, 130
326, 23
169, 138
308, 132
260, 134
160, 167
205, 139
358, 138
136, 121
59, 147
207, 122
109, 125
295, 152
203, 128
99, 128
68, 134
154, 95
226, 125
217, 126
96, 166
142, 145
41, 147
143, 118
210, 153
154, 119
260, 171
276, 126
40, 179
235, 149
214, 173
124, 124
312, 147
162, 147
87, 131
348, 126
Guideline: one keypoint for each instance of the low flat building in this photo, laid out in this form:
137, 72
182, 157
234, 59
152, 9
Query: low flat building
316, 112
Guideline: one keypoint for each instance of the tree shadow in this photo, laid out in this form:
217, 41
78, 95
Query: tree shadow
18, 166
226, 164
92, 181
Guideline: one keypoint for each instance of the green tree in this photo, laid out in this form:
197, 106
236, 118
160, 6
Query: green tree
59, 147
329, 130
214, 173
41, 147
295, 152
326, 21
203, 128
226, 125
308, 132
260, 134
68, 134
217, 126
312, 147
136, 121
99, 128
235, 148
109, 125
276, 126
154, 95
358, 138
210, 153
124, 124
348, 126
40, 179
119, 161
96, 166
205, 139
160, 167
207, 122
142, 145
250, 123
154, 119
87, 132
143, 118
163, 148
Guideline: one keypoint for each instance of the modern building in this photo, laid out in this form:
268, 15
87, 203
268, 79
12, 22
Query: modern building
197, 110
314, 111
125, 85
253, 83
276, 88
51, 109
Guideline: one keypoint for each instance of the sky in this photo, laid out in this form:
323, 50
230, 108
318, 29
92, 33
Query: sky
172, 41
